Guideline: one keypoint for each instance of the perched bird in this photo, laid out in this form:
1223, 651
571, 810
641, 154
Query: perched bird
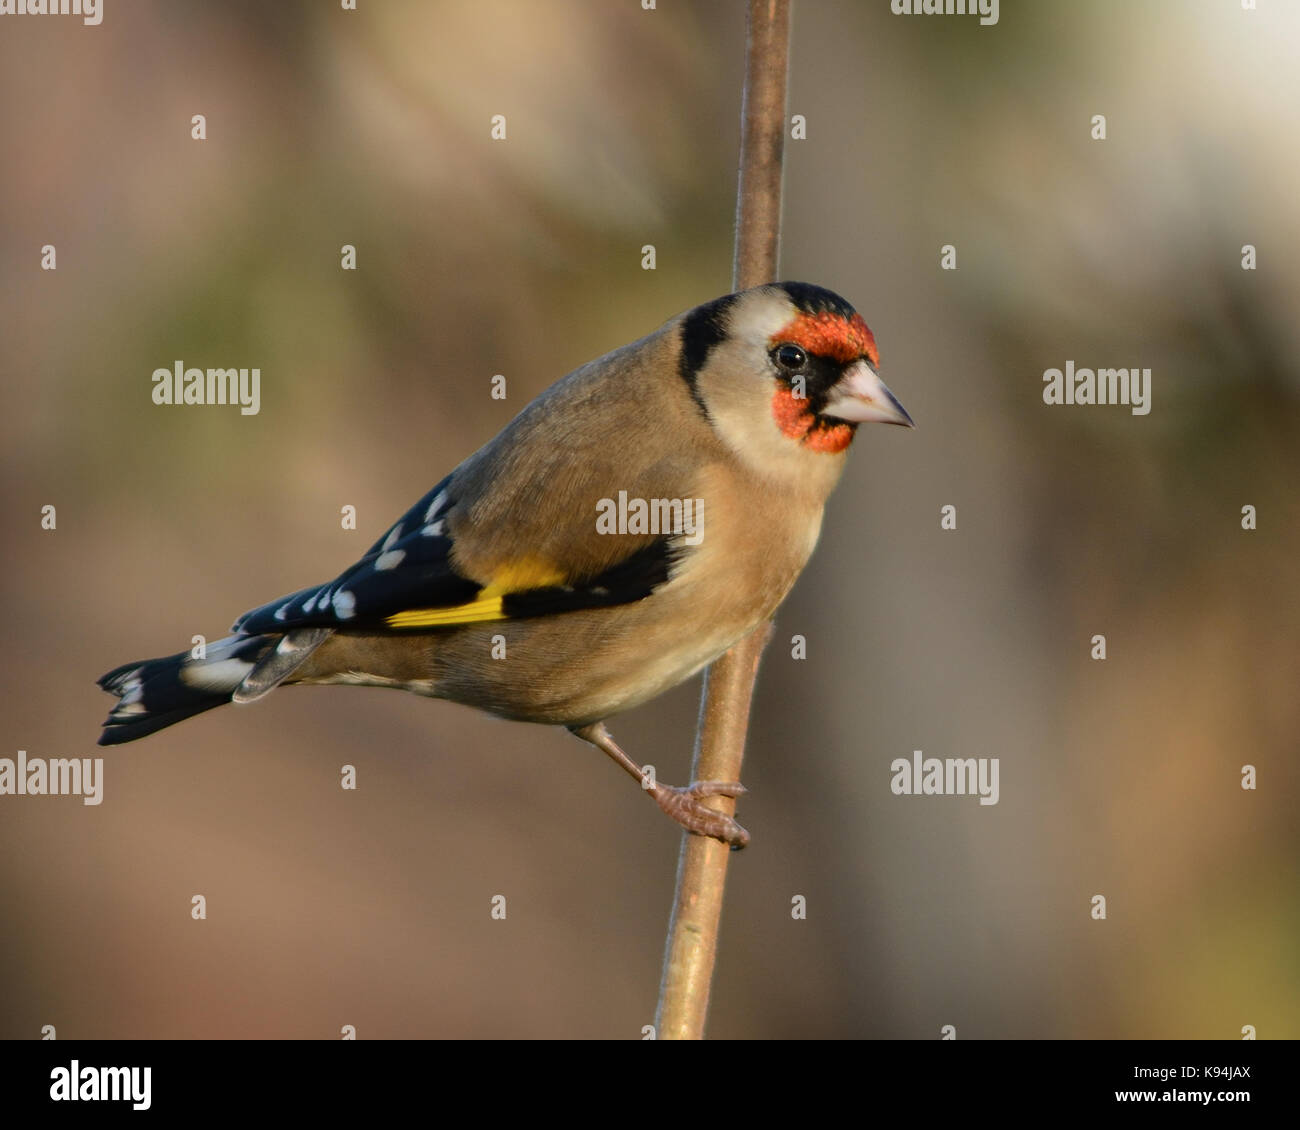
633, 522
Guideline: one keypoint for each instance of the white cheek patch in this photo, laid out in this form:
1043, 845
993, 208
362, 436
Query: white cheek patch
751, 431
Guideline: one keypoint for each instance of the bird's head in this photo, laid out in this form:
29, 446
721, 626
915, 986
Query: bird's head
785, 371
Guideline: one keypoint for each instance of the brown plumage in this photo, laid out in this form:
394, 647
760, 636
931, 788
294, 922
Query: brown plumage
511, 586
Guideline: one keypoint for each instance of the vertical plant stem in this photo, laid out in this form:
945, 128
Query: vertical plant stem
729, 683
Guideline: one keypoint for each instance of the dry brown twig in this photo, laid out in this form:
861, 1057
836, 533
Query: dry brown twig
729, 683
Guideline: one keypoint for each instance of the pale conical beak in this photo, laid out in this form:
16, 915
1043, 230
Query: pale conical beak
861, 397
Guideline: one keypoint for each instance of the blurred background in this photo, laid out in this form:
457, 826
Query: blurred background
523, 257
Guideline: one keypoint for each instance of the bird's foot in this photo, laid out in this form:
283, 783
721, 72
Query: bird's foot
683, 805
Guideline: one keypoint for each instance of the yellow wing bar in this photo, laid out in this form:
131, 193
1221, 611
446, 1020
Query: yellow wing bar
520, 576
484, 608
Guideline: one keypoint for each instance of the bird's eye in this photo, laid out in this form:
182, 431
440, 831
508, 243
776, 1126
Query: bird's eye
789, 356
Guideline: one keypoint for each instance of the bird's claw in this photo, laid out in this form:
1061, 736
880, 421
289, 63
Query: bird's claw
683, 805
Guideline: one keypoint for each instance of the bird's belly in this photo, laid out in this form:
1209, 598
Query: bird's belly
576, 668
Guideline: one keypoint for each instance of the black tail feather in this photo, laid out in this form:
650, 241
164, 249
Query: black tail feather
156, 693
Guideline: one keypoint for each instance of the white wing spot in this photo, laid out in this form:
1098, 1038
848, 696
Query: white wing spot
390, 560
438, 500
345, 604
434, 530
311, 603
392, 537
283, 610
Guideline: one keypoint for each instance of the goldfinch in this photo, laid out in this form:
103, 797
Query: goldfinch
638, 518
